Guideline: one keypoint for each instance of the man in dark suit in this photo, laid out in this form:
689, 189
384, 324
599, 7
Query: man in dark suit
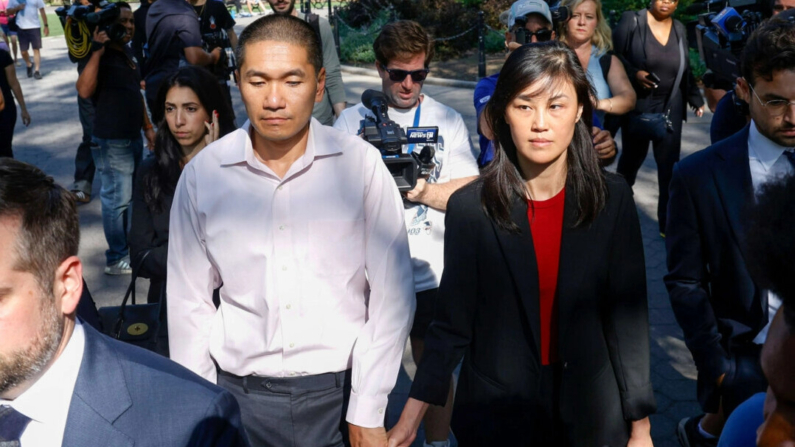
61, 381
724, 313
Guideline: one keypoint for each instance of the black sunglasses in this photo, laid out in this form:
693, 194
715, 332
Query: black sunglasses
524, 36
396, 75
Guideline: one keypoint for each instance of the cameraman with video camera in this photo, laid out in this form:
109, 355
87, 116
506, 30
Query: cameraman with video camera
174, 39
403, 52
218, 31
111, 78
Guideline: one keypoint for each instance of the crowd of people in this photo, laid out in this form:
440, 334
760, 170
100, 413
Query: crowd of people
290, 271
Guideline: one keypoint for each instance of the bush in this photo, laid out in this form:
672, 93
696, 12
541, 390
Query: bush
495, 43
357, 45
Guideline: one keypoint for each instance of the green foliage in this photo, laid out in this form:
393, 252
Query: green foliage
495, 43
357, 45
696, 64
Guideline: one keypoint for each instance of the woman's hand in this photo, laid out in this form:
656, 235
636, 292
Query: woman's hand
213, 129
25, 118
640, 76
404, 433
641, 434
699, 111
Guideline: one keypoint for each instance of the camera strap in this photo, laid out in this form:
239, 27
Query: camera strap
416, 123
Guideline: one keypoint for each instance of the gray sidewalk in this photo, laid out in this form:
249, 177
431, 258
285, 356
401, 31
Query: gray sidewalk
53, 136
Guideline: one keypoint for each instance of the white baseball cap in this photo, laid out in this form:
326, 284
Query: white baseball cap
522, 8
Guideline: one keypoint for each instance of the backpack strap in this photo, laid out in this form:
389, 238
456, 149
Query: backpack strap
314, 21
604, 63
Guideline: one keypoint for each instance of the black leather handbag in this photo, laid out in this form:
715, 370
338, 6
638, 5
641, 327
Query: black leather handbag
137, 324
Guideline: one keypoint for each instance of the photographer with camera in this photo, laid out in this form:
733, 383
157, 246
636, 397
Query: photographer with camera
528, 21
722, 309
403, 53
174, 39
217, 29
110, 79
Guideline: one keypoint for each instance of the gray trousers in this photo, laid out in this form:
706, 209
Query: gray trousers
306, 411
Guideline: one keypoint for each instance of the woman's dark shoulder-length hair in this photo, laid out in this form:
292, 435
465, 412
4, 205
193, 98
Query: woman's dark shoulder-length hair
163, 177
547, 64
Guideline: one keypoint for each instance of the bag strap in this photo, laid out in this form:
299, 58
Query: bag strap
679, 74
131, 287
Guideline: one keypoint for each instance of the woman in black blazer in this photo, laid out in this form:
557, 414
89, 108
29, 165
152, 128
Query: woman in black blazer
196, 114
650, 43
552, 328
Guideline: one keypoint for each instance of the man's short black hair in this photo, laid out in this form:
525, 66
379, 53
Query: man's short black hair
770, 242
49, 230
281, 28
124, 5
770, 48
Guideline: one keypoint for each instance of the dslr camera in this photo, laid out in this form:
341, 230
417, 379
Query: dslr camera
226, 64
79, 23
389, 138
560, 14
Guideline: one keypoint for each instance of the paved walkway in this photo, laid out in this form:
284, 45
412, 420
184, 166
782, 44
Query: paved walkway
52, 138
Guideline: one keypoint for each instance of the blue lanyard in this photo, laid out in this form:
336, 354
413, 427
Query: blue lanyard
416, 124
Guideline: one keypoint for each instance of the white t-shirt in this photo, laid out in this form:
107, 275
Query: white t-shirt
27, 18
454, 158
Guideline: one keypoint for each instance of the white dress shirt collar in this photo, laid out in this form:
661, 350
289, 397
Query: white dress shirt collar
763, 148
242, 149
47, 401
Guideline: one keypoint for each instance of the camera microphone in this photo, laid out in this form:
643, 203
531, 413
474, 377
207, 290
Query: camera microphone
376, 101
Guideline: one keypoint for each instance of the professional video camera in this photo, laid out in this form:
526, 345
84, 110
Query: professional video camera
389, 138
79, 23
560, 14
721, 36
226, 64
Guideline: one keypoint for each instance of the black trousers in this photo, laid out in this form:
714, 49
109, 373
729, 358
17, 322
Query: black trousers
298, 411
634, 148
84, 160
8, 119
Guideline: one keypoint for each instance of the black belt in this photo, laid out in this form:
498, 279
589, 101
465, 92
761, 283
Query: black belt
289, 385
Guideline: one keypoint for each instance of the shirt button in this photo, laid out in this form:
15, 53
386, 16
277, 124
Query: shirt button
288, 307
292, 374
284, 268
380, 411
279, 188
281, 227
292, 345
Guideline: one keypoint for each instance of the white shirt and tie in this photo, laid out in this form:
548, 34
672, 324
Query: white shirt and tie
315, 266
46, 403
768, 163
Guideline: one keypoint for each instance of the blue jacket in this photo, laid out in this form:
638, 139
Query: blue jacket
125, 396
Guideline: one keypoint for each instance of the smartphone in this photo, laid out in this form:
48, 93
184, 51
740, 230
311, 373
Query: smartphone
653, 78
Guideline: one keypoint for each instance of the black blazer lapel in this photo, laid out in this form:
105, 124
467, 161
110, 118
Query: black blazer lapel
571, 265
521, 260
732, 175
99, 398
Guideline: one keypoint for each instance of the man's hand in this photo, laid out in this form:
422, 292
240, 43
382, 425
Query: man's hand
150, 139
603, 143
640, 76
46, 31
216, 55
417, 194
699, 111
367, 437
101, 37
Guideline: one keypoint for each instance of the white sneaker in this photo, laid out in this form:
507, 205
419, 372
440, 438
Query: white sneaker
122, 267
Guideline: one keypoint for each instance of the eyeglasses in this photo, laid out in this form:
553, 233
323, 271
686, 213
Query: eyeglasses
774, 107
396, 75
542, 35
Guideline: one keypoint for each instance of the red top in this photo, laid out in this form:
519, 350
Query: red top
546, 227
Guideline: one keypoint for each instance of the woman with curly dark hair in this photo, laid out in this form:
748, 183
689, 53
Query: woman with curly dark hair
544, 289
195, 115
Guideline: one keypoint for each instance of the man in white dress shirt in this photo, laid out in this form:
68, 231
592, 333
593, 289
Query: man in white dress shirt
724, 313
303, 226
61, 382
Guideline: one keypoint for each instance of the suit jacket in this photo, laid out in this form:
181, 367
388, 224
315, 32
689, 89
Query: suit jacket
488, 313
628, 42
715, 300
125, 396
